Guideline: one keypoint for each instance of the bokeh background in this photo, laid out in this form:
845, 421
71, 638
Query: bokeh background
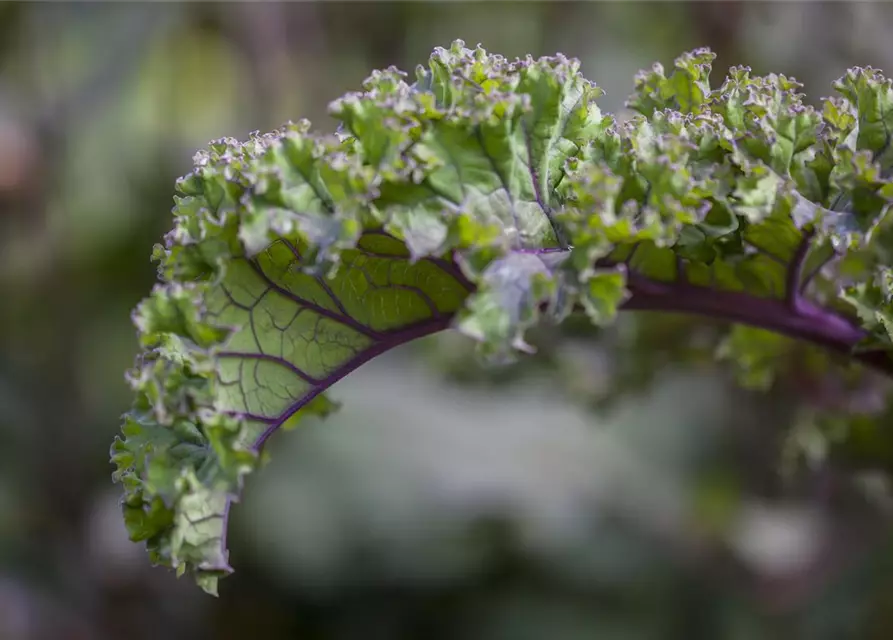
618, 485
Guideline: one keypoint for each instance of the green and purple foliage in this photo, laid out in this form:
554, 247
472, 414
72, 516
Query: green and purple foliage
490, 196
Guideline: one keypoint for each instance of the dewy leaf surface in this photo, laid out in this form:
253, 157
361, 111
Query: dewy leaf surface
489, 195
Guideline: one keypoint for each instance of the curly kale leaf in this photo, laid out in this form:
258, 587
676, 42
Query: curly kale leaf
489, 195
296, 257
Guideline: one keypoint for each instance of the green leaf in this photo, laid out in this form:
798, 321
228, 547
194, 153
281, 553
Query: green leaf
490, 196
604, 291
489, 151
296, 257
686, 89
869, 114
510, 297
873, 302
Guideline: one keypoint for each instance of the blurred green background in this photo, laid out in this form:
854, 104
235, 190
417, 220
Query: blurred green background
618, 485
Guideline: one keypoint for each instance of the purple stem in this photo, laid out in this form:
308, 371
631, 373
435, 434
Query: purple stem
807, 322
795, 317
801, 320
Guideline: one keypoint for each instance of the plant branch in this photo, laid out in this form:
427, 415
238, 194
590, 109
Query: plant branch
807, 322
795, 317
803, 320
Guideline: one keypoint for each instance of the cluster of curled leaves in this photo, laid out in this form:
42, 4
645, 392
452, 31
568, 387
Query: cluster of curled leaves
491, 196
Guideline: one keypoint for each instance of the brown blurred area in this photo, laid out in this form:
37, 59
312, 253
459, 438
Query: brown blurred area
441, 502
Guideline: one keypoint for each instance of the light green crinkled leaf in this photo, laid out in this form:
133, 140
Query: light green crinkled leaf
868, 195
493, 141
873, 303
603, 292
296, 257
508, 301
755, 192
489, 195
774, 126
686, 89
870, 116
666, 189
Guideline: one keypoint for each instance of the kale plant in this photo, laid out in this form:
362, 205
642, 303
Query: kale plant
489, 196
